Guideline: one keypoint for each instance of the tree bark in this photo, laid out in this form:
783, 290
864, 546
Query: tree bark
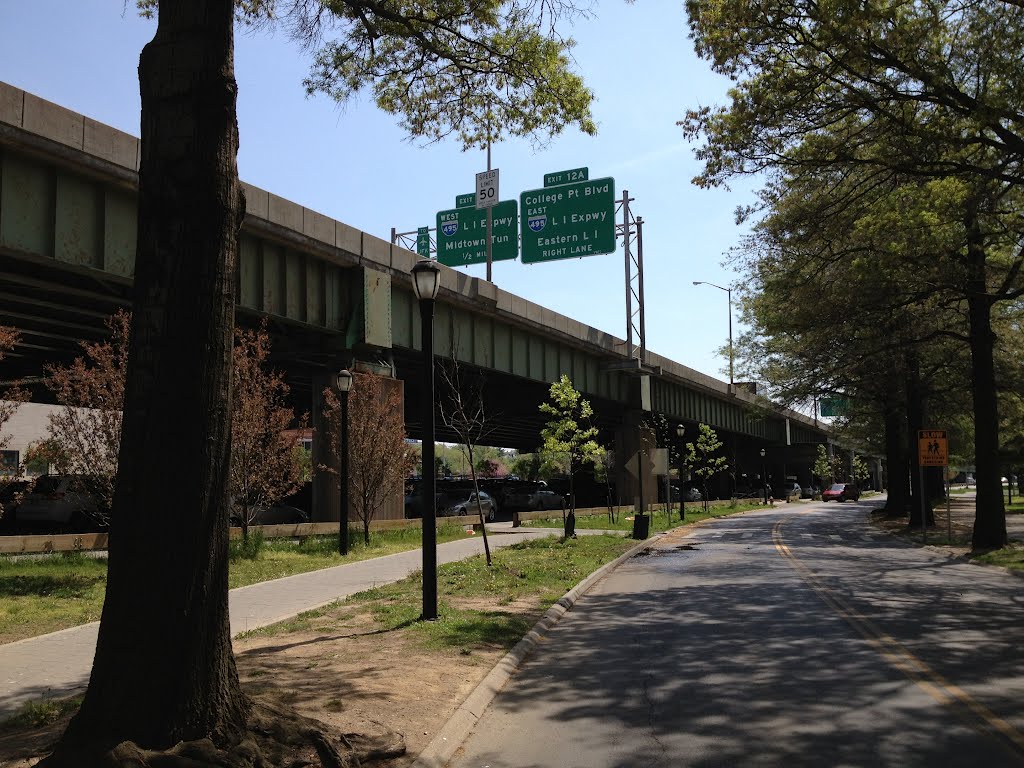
916, 414
164, 671
896, 451
990, 514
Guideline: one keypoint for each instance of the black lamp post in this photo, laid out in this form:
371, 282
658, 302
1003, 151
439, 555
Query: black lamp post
680, 431
343, 381
426, 279
764, 478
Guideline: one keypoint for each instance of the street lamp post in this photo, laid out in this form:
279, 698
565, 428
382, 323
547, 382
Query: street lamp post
728, 292
680, 431
426, 279
764, 478
343, 381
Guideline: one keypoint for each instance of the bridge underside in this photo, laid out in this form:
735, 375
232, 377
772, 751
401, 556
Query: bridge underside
332, 297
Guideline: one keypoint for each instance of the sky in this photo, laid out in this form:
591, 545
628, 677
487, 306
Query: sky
353, 163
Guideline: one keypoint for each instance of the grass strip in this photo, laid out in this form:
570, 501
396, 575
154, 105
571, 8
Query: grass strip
1010, 556
53, 592
536, 573
659, 521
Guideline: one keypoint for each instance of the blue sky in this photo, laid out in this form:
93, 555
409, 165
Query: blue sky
354, 164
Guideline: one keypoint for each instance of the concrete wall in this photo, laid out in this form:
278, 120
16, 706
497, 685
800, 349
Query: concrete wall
28, 425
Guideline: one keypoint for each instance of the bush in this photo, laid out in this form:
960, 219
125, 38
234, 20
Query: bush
247, 549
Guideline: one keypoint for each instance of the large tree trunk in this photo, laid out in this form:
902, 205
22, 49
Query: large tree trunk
896, 452
990, 514
164, 670
916, 422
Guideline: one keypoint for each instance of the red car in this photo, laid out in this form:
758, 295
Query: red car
841, 492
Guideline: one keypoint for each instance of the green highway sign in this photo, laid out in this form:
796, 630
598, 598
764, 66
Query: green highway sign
568, 221
566, 177
423, 242
466, 201
462, 234
834, 406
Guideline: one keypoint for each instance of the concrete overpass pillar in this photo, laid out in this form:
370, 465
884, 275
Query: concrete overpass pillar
631, 438
326, 496
326, 453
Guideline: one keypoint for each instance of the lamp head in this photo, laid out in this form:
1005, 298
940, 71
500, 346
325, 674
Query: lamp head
680, 430
426, 279
762, 453
343, 381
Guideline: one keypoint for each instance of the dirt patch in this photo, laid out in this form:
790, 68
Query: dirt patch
961, 527
341, 668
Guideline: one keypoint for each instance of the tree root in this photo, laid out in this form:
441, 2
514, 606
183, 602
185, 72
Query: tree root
275, 738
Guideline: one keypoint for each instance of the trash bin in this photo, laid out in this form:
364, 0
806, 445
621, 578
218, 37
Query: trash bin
641, 526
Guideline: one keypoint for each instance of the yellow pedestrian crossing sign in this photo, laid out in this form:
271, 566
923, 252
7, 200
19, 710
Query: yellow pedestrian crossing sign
932, 448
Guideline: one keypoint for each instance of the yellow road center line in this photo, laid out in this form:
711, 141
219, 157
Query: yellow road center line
926, 678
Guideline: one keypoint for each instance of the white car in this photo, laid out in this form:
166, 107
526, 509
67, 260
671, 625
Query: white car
59, 501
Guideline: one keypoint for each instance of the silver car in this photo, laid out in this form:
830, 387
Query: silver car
469, 506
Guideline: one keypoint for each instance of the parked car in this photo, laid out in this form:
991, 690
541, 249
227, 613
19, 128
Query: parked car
518, 495
545, 499
10, 496
60, 501
809, 491
841, 492
691, 493
789, 491
747, 492
469, 506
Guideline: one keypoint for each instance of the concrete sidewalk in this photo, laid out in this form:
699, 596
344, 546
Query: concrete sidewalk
58, 664
962, 511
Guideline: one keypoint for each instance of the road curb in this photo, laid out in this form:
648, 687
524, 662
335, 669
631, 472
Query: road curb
454, 732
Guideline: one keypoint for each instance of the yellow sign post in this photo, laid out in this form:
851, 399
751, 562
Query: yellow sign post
932, 448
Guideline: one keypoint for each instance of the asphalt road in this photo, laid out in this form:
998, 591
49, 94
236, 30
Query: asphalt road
797, 636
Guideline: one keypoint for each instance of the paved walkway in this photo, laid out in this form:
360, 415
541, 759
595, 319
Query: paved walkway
58, 664
961, 511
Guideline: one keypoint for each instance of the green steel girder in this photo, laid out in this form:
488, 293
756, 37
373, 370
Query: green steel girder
488, 342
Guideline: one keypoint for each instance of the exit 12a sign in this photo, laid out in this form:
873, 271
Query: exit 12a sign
567, 221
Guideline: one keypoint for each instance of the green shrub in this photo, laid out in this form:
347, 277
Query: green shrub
247, 549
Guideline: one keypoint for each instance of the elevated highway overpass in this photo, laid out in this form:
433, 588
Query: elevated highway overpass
335, 297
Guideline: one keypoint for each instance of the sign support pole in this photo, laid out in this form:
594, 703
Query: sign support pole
489, 211
629, 288
949, 517
924, 505
640, 285
636, 331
